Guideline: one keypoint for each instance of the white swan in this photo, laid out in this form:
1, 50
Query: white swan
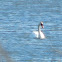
39, 33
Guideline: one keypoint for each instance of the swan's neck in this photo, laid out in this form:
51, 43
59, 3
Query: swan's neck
39, 29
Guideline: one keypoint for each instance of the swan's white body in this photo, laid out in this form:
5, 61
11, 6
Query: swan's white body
39, 33
42, 36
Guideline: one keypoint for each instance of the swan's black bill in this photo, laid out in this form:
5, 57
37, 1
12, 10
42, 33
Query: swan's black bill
42, 25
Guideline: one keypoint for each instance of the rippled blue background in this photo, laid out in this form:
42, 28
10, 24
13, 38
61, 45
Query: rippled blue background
18, 20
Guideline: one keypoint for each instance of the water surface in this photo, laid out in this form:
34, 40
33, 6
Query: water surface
18, 20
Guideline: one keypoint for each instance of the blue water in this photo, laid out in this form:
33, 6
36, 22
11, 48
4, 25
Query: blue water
18, 20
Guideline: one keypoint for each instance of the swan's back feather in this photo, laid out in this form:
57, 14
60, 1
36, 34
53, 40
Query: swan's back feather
36, 33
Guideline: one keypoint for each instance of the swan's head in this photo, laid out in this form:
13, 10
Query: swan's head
42, 24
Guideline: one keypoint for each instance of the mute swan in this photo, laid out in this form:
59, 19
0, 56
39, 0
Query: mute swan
39, 33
